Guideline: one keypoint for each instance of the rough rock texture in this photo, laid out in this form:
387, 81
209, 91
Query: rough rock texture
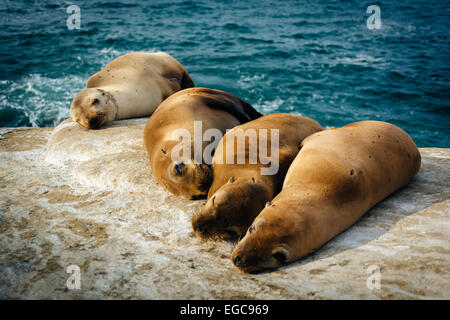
88, 198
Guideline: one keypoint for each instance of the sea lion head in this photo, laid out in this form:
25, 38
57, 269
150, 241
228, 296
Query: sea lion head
231, 209
182, 176
93, 107
270, 241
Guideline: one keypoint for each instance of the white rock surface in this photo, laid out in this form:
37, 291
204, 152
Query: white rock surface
88, 198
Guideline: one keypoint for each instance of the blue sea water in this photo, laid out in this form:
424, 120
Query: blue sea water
315, 58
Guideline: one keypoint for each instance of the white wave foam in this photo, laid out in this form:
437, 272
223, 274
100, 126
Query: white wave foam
269, 106
45, 101
363, 60
249, 81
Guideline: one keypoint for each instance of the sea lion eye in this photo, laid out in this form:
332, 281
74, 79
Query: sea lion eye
95, 101
179, 168
251, 229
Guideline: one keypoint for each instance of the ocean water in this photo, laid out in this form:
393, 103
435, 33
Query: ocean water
315, 58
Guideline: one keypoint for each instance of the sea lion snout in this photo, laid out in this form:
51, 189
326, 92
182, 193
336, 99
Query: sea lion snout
187, 179
232, 208
204, 176
254, 261
201, 224
211, 221
95, 122
202, 229
92, 121
264, 246
245, 262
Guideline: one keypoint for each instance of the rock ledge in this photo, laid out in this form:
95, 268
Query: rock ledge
70, 196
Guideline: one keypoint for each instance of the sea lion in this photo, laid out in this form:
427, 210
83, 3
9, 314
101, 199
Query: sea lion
240, 191
185, 174
130, 86
338, 175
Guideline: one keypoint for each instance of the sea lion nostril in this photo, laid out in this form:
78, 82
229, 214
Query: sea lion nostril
237, 261
203, 187
92, 121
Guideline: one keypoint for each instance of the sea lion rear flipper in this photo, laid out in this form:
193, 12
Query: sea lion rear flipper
250, 111
242, 110
186, 81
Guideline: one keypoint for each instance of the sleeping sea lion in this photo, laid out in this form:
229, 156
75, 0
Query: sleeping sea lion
239, 191
130, 86
177, 137
338, 175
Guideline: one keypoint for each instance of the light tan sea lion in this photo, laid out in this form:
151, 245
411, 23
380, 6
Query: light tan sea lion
338, 175
240, 191
130, 86
215, 110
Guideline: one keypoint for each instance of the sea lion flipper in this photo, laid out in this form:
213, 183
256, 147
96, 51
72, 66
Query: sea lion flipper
242, 110
186, 81
250, 111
